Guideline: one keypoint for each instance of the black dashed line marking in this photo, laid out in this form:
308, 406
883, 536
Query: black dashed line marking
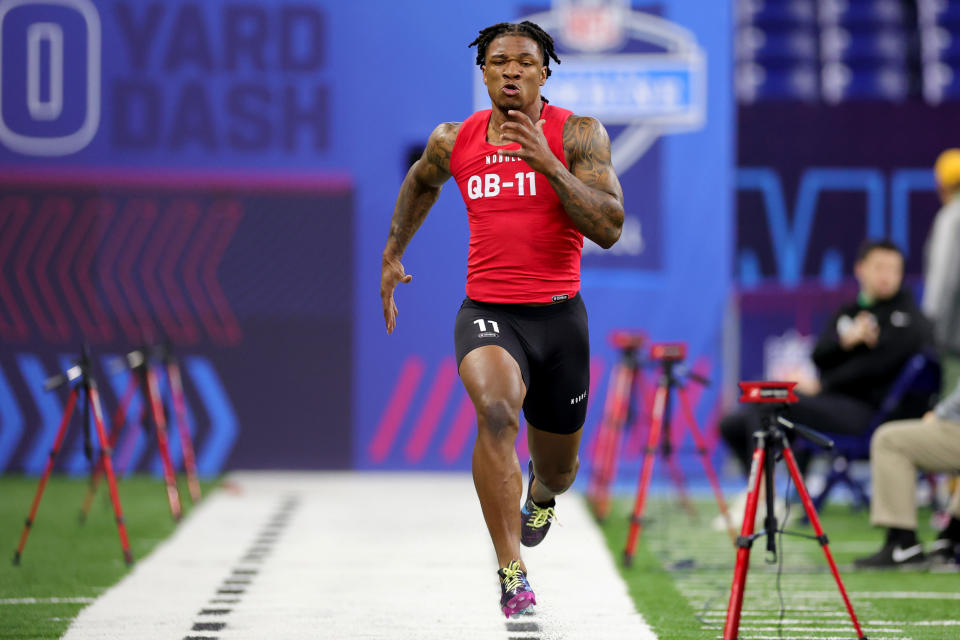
261, 547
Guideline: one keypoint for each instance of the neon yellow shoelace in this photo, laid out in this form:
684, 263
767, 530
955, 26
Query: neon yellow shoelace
541, 516
512, 576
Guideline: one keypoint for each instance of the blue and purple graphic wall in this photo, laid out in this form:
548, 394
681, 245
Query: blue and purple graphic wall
813, 182
223, 174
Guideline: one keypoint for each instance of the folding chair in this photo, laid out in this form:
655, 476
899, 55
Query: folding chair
914, 392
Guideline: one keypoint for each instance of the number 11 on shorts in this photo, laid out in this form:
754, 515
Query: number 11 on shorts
483, 325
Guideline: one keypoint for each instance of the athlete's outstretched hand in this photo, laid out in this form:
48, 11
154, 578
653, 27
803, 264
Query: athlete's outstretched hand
391, 275
533, 144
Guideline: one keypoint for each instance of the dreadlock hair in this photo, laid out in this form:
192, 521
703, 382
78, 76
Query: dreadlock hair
527, 29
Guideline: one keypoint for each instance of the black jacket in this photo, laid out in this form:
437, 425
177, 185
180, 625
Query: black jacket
863, 372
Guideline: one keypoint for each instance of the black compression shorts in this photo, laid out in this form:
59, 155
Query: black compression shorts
551, 345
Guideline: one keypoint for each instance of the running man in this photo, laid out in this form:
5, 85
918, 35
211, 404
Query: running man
535, 179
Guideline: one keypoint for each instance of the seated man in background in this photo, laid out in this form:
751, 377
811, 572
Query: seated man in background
859, 354
897, 451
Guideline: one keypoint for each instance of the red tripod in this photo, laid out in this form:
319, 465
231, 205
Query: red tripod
85, 387
770, 442
670, 355
625, 385
180, 412
143, 376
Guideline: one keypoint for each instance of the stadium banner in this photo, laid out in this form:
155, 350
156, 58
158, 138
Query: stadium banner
170, 172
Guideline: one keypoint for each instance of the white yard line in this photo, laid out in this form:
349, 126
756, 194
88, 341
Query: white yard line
766, 613
829, 595
846, 637
69, 600
809, 629
905, 595
362, 556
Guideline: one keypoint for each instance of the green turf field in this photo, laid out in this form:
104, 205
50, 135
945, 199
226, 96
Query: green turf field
64, 560
683, 571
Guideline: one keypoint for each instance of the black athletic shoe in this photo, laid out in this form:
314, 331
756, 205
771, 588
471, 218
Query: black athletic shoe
516, 596
534, 519
892, 556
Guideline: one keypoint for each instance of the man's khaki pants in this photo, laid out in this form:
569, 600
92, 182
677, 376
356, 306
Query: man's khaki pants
897, 451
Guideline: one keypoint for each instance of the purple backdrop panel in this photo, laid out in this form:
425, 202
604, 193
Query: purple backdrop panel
814, 181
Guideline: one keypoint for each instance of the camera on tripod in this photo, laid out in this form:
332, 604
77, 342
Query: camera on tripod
768, 392
772, 446
668, 352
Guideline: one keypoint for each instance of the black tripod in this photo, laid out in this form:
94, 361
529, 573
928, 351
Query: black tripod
84, 387
772, 444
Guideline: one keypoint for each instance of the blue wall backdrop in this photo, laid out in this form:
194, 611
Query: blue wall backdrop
302, 117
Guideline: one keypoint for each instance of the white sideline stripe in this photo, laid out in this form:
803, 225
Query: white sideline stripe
810, 629
720, 618
73, 600
905, 595
364, 556
776, 610
846, 637
854, 546
817, 596
722, 614
923, 623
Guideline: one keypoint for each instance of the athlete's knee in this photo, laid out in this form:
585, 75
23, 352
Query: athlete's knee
558, 479
497, 417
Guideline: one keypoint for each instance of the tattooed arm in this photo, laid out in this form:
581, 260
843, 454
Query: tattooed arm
420, 189
590, 191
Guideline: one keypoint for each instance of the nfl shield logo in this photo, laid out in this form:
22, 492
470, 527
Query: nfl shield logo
592, 25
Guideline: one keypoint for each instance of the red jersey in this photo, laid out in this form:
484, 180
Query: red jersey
523, 245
